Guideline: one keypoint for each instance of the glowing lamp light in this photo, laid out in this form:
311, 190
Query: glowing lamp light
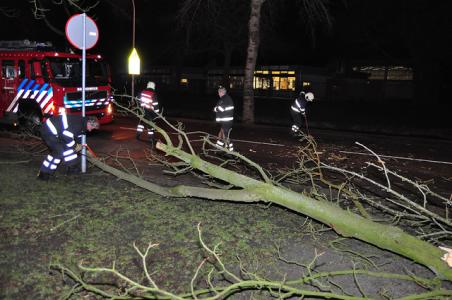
134, 63
109, 109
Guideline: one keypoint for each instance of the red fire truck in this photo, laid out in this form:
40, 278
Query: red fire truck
37, 82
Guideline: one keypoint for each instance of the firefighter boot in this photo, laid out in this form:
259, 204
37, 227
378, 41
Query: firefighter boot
140, 129
43, 176
294, 131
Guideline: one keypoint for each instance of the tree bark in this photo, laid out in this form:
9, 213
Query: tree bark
251, 58
179, 190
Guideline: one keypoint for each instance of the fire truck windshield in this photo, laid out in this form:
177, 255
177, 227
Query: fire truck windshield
68, 71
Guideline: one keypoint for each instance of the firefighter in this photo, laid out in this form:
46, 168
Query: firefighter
224, 116
62, 134
149, 103
298, 110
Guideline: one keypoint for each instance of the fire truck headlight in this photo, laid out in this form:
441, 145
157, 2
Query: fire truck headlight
109, 109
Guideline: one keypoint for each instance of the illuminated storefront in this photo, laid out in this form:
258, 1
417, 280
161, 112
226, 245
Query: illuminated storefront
277, 80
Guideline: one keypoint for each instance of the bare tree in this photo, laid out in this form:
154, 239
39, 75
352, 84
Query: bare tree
197, 12
214, 27
42, 9
315, 12
251, 58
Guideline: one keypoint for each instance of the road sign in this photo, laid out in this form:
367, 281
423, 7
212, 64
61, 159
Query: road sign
82, 33
74, 32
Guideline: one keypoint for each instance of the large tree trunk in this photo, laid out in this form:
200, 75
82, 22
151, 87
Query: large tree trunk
251, 58
344, 222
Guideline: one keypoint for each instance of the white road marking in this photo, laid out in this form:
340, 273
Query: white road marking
400, 157
234, 140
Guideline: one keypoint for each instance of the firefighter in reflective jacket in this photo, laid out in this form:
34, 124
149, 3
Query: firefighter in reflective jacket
62, 134
298, 110
150, 105
224, 116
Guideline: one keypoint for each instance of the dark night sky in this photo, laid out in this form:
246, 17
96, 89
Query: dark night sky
382, 30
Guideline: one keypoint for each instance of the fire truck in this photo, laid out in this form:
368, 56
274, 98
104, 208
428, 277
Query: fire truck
37, 82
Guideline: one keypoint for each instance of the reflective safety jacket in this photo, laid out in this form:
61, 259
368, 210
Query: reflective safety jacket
224, 109
68, 130
148, 100
299, 105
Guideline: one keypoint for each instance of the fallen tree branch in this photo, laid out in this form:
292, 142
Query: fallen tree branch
343, 222
180, 190
234, 283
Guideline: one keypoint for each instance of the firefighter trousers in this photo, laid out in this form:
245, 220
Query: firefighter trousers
150, 116
59, 153
223, 136
297, 119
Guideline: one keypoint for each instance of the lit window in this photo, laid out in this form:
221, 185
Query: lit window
276, 83
184, 82
284, 83
291, 83
291, 72
305, 83
261, 83
276, 72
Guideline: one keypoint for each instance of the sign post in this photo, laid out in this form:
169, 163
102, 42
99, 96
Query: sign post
82, 33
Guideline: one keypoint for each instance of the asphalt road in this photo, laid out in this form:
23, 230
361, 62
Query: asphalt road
273, 146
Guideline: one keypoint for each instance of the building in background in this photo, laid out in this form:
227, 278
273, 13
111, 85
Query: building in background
361, 82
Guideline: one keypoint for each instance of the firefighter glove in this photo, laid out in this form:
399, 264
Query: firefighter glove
78, 147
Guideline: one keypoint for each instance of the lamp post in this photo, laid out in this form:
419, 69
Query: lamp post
134, 59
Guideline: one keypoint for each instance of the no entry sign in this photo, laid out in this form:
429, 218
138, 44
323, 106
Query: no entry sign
74, 32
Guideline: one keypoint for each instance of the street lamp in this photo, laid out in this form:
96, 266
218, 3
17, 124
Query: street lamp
134, 58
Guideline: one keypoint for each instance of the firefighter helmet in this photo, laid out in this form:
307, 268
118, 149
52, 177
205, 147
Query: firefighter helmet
309, 96
151, 85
